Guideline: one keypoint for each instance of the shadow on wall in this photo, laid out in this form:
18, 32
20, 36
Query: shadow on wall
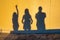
27, 20
40, 16
15, 20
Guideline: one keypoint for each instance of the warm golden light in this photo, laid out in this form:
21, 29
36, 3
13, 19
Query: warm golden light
50, 7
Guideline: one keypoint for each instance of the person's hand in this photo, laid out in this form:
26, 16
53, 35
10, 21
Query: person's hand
16, 6
31, 22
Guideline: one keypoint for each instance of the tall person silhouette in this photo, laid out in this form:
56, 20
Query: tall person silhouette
40, 16
15, 20
27, 20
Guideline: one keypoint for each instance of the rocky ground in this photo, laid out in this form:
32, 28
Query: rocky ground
6, 36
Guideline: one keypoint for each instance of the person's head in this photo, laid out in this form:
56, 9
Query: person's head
26, 11
14, 14
40, 9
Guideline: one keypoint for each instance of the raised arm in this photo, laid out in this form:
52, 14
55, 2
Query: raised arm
17, 10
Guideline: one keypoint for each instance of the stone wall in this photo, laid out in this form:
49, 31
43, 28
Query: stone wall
29, 36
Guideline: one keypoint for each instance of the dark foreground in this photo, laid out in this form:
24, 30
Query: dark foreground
5, 36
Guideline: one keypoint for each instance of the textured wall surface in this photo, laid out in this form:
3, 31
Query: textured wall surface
30, 37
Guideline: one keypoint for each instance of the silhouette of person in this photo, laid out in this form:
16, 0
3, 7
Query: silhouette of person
27, 20
15, 20
40, 16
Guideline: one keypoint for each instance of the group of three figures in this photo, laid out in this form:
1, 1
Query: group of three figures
27, 20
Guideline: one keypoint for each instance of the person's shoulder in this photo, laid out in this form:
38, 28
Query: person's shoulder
36, 13
44, 13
